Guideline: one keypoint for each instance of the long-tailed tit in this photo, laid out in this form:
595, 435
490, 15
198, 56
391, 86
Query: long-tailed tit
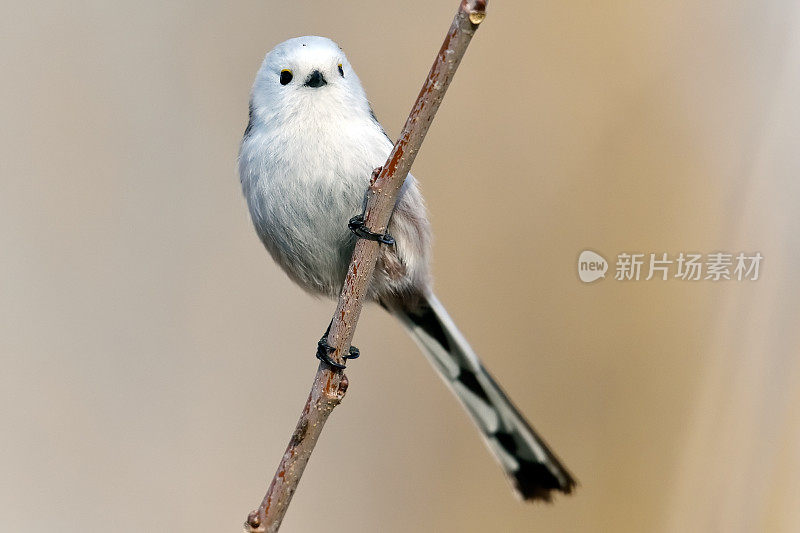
305, 162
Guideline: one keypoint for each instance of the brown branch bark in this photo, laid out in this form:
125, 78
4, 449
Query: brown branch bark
330, 384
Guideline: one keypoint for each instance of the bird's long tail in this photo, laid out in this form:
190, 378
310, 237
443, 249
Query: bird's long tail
527, 461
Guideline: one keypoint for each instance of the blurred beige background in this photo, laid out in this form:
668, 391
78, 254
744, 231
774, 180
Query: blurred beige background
154, 359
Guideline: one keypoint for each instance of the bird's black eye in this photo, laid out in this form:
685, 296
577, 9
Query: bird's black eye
341, 70
286, 76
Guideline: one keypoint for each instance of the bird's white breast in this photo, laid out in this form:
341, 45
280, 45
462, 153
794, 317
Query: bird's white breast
303, 179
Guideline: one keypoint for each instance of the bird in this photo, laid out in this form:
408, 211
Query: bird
305, 161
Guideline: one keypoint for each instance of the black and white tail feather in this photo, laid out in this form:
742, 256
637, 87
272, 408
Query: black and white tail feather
532, 468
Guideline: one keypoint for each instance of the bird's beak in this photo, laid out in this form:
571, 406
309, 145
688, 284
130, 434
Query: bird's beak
316, 79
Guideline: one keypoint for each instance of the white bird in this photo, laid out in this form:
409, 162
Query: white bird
305, 162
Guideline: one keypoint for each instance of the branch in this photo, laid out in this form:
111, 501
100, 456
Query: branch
330, 384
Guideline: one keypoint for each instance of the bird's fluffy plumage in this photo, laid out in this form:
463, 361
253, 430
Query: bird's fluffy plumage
305, 162
308, 153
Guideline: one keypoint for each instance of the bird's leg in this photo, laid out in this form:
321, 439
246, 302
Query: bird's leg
359, 229
325, 350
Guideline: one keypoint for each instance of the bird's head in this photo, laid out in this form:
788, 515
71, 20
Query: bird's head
307, 78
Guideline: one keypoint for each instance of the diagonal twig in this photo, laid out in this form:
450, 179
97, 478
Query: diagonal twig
330, 384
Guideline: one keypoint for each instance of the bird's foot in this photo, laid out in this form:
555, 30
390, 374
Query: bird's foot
359, 229
325, 350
